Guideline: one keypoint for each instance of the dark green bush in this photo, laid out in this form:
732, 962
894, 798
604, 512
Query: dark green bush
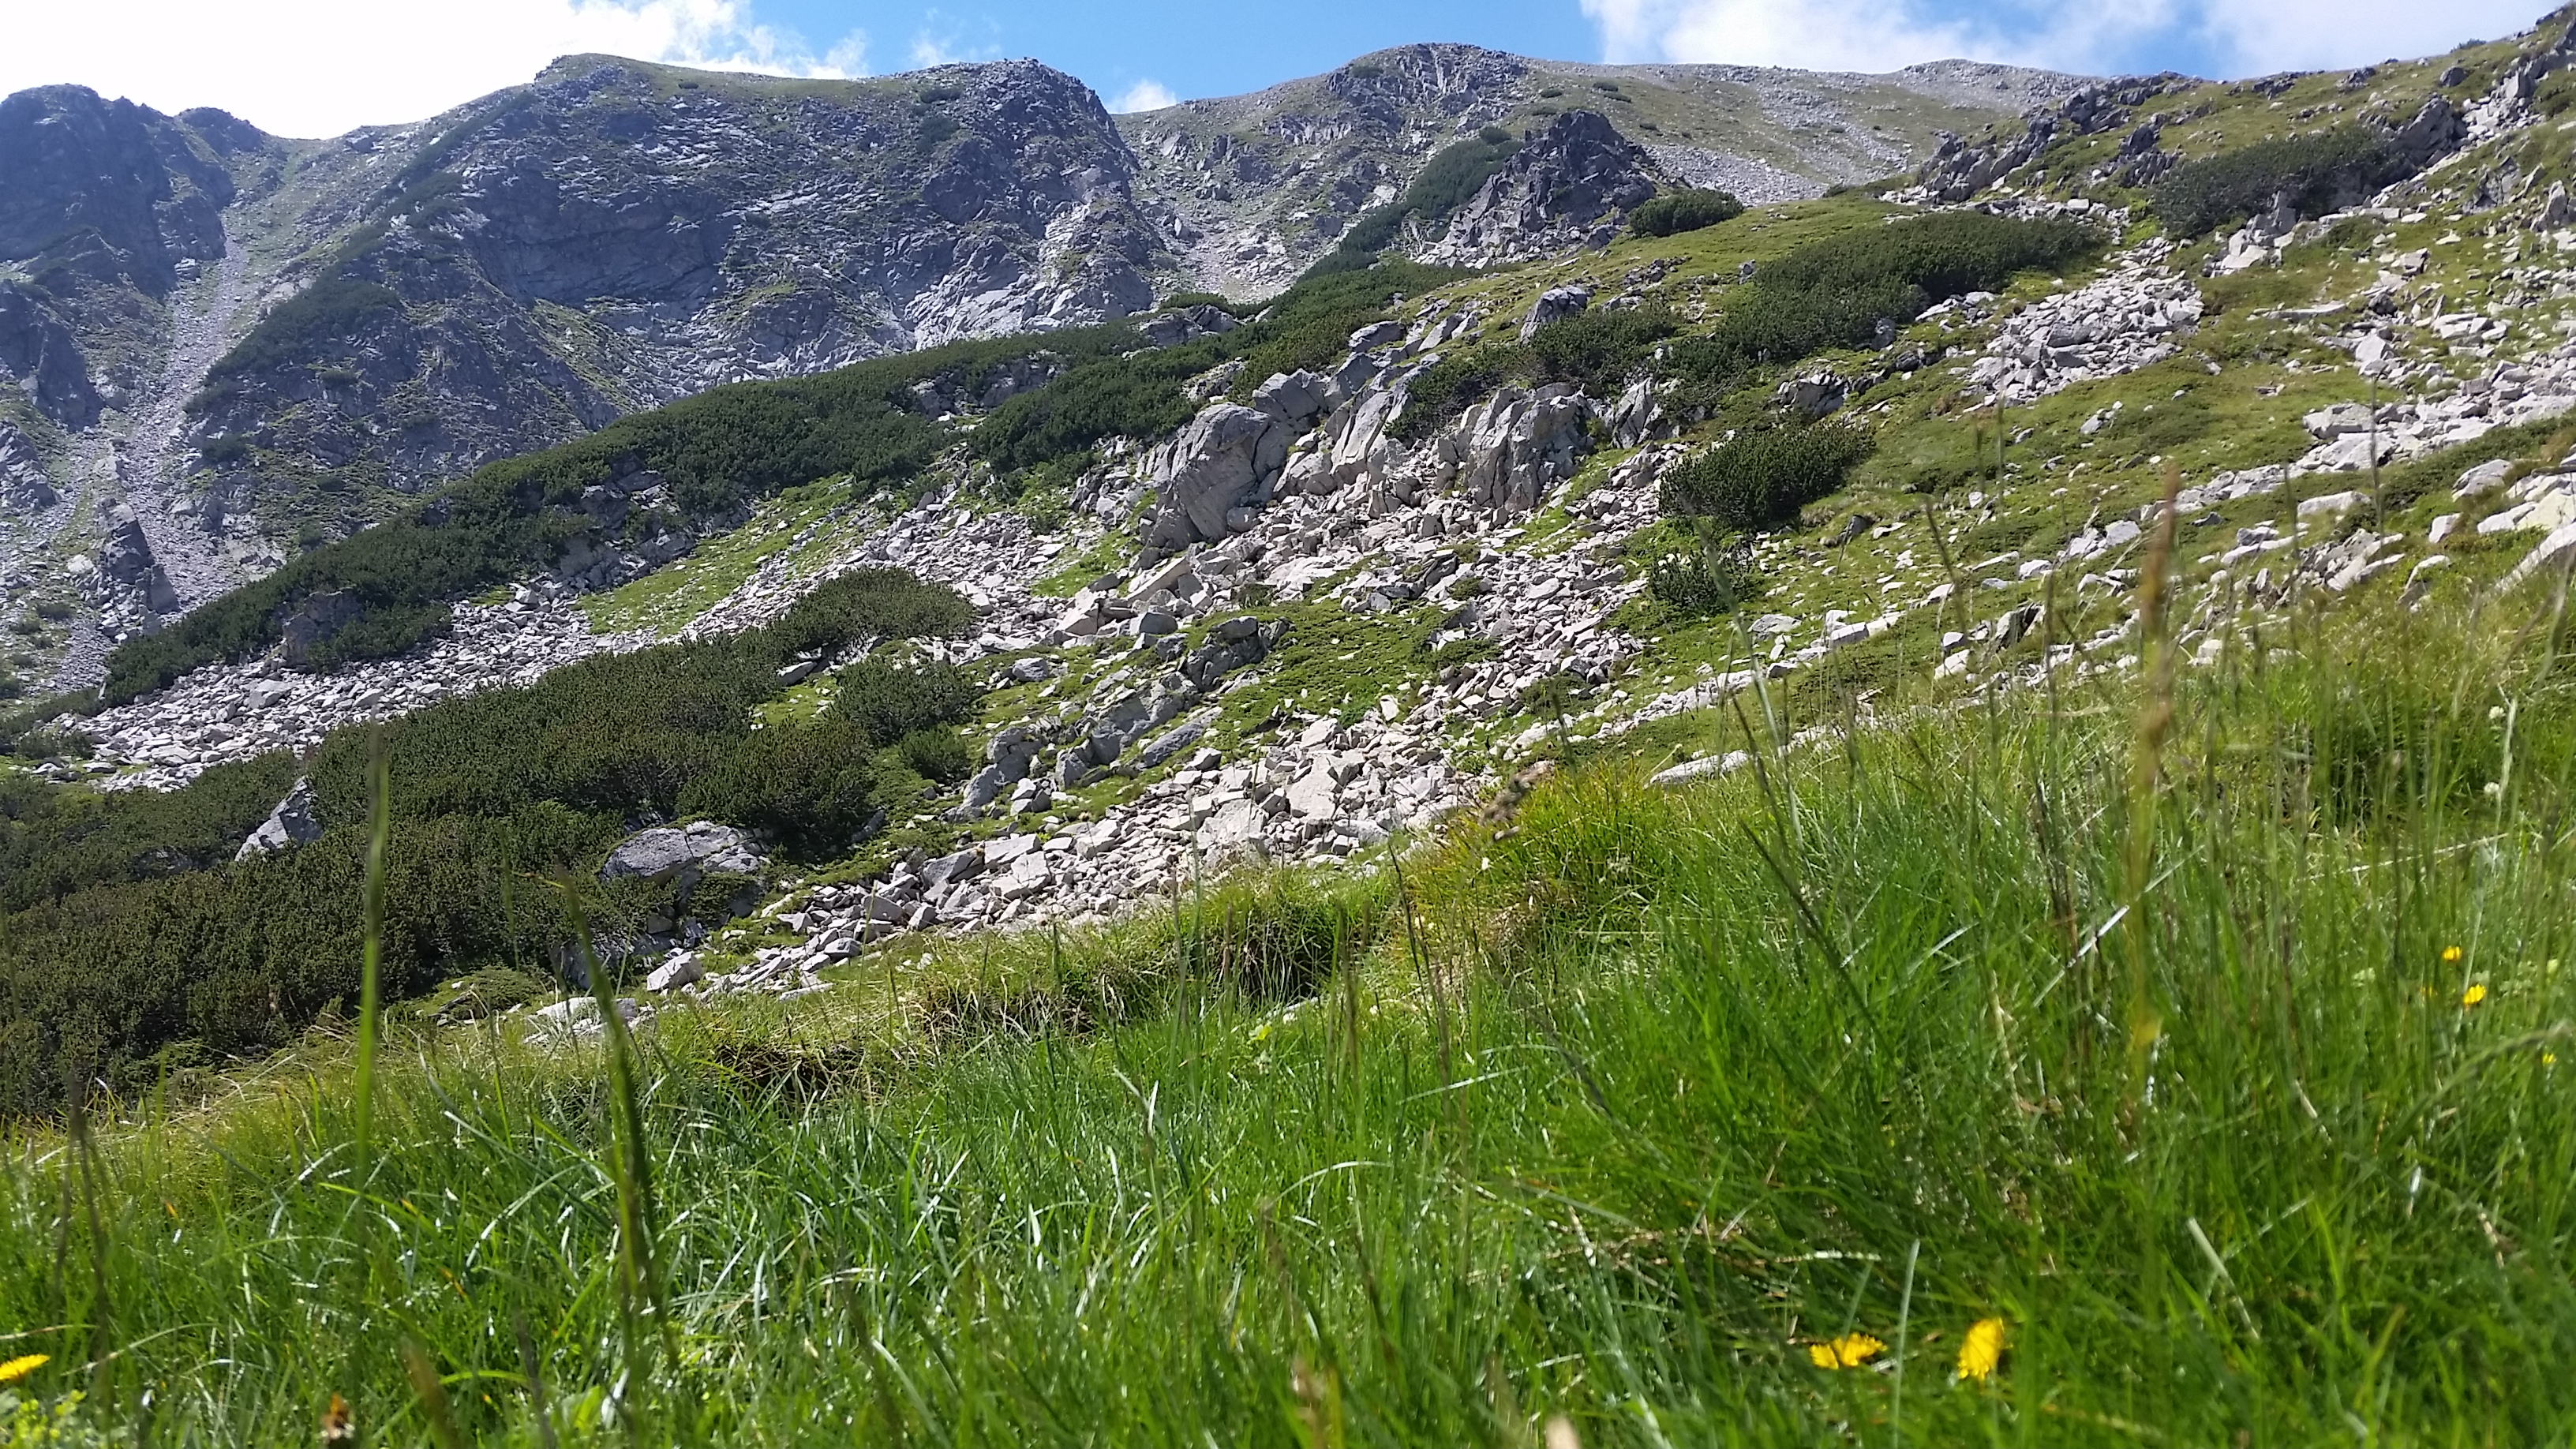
1680, 211
1598, 351
810, 785
1310, 324
2318, 172
1761, 478
938, 755
125, 926
1836, 292
382, 634
892, 703
1711, 573
334, 307
54, 841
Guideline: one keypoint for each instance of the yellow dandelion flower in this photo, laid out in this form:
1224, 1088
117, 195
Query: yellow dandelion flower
2473, 995
1849, 1351
2450, 955
18, 1368
1982, 1349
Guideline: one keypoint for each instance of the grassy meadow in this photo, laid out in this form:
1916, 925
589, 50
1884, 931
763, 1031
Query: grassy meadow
2202, 1043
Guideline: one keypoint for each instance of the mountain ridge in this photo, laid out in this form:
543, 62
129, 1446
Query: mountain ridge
614, 234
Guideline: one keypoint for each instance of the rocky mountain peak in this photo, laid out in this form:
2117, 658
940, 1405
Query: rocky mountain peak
106, 186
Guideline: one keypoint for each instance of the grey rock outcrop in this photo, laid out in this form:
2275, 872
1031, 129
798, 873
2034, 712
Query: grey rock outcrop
125, 558
313, 620
1570, 185
1228, 459
1554, 305
23, 483
1960, 168
1213, 466
683, 853
1514, 449
291, 823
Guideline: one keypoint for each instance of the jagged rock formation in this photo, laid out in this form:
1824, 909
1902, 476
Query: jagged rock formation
23, 482
1571, 185
291, 824
1960, 169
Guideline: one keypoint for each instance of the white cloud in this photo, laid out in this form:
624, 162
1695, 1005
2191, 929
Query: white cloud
940, 41
2325, 34
2223, 37
1144, 95
1868, 35
320, 67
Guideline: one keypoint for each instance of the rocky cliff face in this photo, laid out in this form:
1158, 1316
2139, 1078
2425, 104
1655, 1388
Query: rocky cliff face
106, 207
618, 235
1570, 186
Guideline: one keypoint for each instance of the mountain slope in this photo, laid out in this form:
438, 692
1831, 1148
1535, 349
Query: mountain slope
1254, 188
351, 320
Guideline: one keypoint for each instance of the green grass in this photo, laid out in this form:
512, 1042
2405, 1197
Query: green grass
1610, 1112
666, 599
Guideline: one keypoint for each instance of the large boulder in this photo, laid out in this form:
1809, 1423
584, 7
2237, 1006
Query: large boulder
291, 823
683, 853
1227, 460
1555, 305
1638, 416
1293, 398
314, 619
1513, 450
125, 555
23, 484
1216, 464
2436, 130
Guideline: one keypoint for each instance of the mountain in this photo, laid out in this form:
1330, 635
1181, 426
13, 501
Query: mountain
1252, 189
231, 347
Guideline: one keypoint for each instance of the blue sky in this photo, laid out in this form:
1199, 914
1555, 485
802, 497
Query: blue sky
319, 67
1191, 49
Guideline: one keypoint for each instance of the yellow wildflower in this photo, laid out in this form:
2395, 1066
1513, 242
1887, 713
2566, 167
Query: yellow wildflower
18, 1368
2473, 995
2450, 955
1982, 1349
1849, 1351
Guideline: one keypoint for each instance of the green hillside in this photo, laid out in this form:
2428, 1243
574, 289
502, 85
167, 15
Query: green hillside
2049, 929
